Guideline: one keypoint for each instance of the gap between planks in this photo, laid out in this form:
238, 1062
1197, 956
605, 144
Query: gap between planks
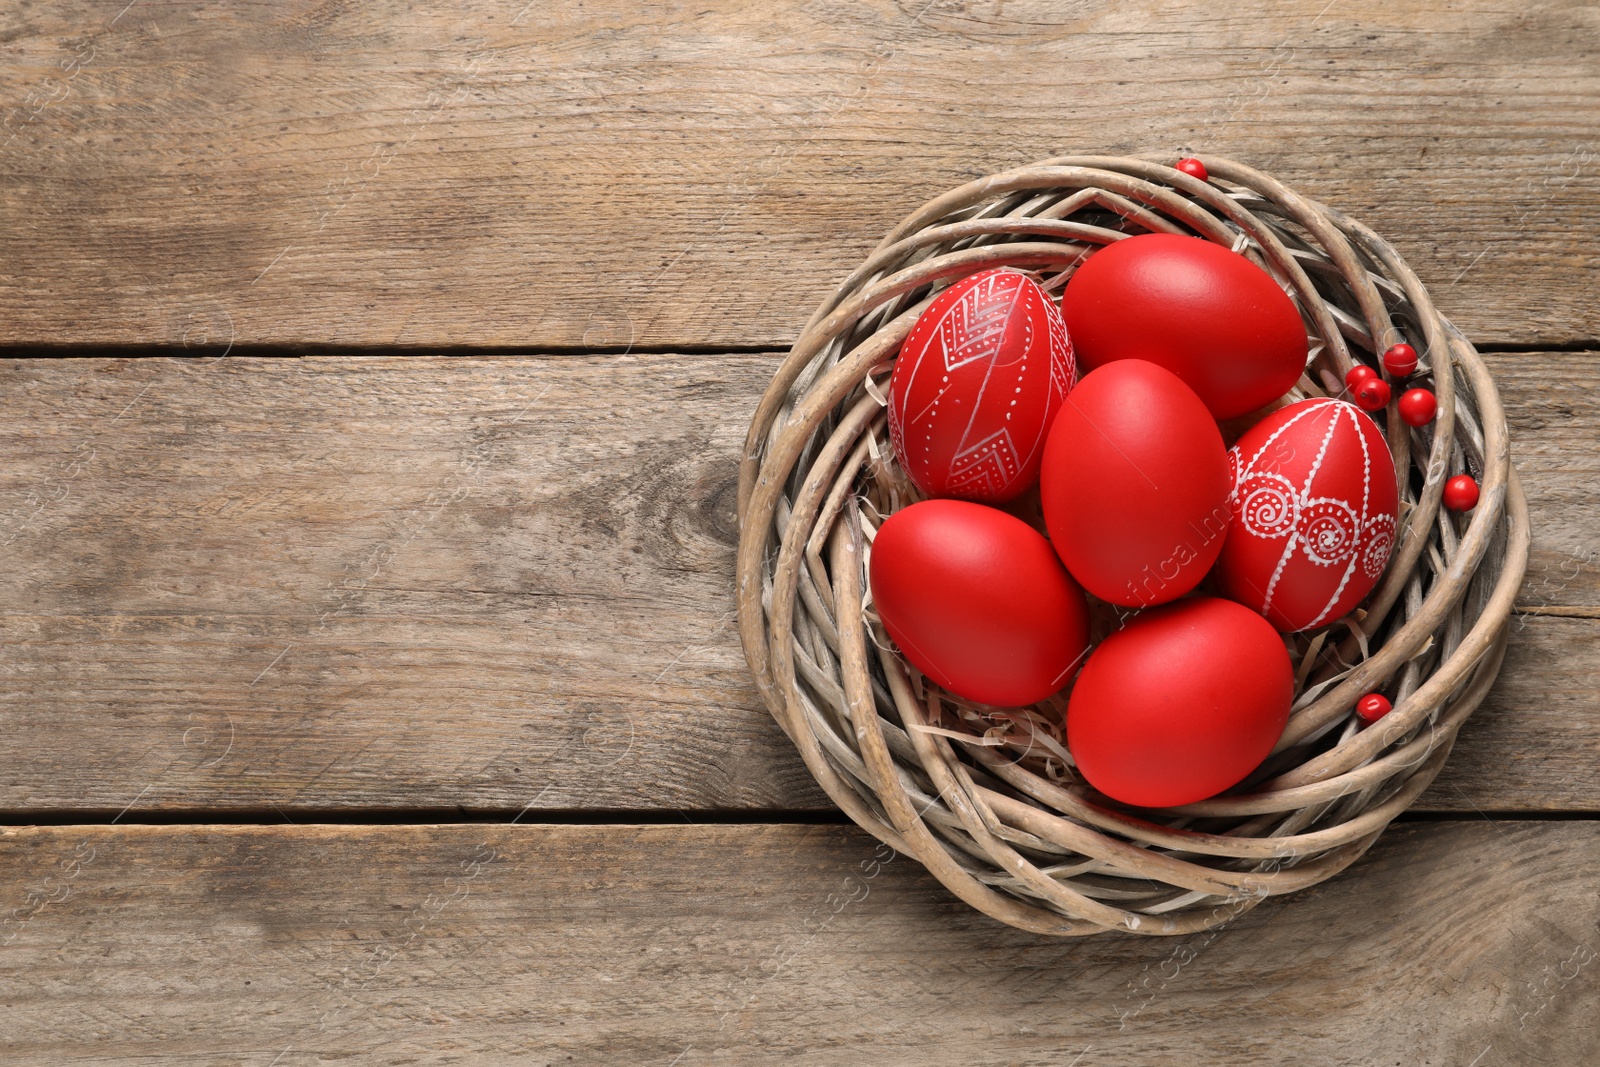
378, 817
297, 351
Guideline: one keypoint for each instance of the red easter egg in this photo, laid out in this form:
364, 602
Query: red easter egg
978, 382
1134, 485
1180, 704
1313, 514
1206, 313
977, 600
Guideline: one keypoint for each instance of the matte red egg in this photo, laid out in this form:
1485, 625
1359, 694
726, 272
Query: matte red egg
977, 383
1179, 705
1200, 310
976, 599
1314, 504
1134, 485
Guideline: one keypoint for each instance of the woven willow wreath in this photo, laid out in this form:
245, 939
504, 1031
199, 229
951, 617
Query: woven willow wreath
988, 798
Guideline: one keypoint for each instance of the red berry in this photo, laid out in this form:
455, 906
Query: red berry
1417, 407
1358, 374
1400, 360
1193, 168
1371, 393
1461, 493
1373, 707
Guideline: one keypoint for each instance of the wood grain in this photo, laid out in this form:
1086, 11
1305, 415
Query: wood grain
1553, 406
599, 174
296, 586
493, 583
1452, 943
285, 581
1533, 744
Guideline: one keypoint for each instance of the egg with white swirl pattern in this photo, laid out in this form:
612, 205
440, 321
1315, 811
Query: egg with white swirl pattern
1314, 503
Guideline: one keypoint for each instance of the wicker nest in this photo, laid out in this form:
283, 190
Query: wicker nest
987, 798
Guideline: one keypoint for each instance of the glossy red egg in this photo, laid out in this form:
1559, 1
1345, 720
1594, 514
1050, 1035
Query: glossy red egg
1206, 313
1314, 503
977, 383
978, 602
1134, 485
1180, 704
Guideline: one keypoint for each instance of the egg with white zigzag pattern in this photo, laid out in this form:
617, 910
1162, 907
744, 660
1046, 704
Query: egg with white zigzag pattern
977, 383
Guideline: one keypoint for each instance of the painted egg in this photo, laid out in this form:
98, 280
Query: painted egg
1314, 499
978, 381
1202, 311
978, 602
1134, 485
1180, 704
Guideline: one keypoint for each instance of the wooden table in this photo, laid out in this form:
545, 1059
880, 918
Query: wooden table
376, 375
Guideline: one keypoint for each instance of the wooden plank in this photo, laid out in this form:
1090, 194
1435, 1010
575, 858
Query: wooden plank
492, 583
1456, 943
331, 581
1534, 743
499, 173
1553, 405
